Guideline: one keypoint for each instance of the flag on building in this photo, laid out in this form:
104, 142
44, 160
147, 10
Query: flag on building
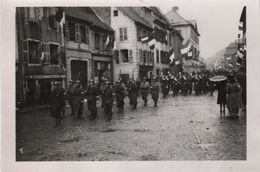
172, 55
151, 43
240, 27
145, 39
40, 13
186, 47
177, 62
107, 40
59, 15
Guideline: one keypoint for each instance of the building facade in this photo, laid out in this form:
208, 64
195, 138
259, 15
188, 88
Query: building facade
40, 53
88, 45
189, 31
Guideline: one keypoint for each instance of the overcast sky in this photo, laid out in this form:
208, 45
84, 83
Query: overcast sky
217, 21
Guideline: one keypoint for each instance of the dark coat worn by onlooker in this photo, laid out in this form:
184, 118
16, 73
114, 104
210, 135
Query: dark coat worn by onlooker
133, 94
221, 87
155, 88
107, 101
91, 94
120, 95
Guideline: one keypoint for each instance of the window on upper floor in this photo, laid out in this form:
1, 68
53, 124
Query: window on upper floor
123, 34
97, 41
83, 33
115, 13
54, 54
31, 14
71, 31
124, 55
53, 23
179, 31
34, 52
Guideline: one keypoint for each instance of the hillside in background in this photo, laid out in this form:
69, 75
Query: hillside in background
215, 59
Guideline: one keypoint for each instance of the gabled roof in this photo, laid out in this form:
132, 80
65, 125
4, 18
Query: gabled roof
88, 15
131, 13
160, 15
231, 49
178, 20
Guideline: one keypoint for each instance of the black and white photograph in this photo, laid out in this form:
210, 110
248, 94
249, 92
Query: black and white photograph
131, 83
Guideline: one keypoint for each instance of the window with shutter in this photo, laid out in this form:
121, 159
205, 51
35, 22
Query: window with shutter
152, 57
144, 57
77, 33
87, 35
83, 33
97, 41
33, 52
72, 32
46, 53
124, 55
53, 24
54, 55
31, 14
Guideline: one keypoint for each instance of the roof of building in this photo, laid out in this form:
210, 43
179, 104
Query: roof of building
178, 20
160, 15
87, 14
131, 13
231, 49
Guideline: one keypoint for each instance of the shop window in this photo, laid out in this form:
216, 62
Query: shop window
97, 41
124, 55
123, 34
115, 13
72, 31
54, 55
34, 52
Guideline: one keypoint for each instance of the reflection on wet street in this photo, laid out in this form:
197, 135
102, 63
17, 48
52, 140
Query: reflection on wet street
180, 128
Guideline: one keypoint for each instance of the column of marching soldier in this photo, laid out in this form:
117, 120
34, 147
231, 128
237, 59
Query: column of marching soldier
182, 83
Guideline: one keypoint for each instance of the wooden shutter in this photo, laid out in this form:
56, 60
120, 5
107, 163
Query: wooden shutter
87, 35
121, 34
141, 56
130, 56
77, 33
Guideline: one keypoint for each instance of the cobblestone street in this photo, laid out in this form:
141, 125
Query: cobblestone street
180, 128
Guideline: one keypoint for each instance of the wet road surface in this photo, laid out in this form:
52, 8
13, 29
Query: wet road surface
180, 128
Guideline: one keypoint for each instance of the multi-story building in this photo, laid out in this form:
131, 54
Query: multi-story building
88, 45
189, 31
133, 57
40, 53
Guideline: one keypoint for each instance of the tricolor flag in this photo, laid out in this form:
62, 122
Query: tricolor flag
107, 40
151, 43
145, 39
186, 47
172, 55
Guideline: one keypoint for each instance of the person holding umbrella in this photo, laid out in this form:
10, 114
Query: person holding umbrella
221, 82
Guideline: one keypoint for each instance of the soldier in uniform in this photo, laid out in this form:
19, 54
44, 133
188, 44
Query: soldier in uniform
165, 87
155, 91
189, 83
133, 94
107, 101
57, 103
144, 88
77, 99
91, 94
120, 95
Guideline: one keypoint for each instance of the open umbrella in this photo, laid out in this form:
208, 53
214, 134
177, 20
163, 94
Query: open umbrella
218, 78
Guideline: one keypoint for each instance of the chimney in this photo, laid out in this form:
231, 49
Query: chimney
175, 9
